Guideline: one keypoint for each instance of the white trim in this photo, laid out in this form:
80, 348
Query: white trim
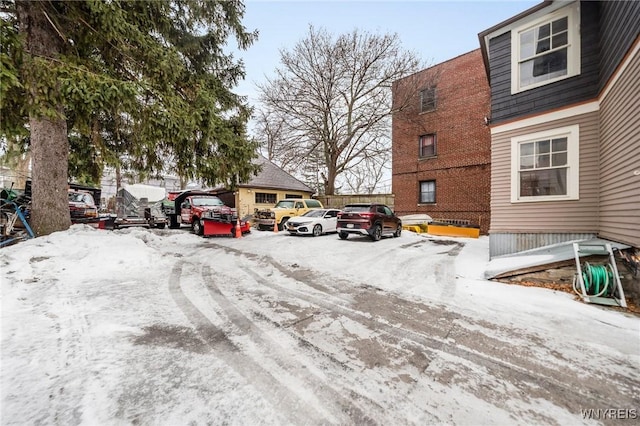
517, 24
572, 13
547, 117
574, 110
573, 163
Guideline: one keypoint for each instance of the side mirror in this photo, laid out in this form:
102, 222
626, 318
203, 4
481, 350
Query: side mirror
184, 205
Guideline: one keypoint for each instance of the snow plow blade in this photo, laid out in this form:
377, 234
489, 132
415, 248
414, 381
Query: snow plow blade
216, 228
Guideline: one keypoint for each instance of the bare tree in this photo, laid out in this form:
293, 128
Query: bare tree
331, 99
275, 140
366, 175
414, 94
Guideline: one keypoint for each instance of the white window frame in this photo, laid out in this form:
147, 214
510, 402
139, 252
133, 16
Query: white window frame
572, 12
572, 133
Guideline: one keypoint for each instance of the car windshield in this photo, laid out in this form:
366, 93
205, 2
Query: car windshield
79, 197
356, 208
314, 213
285, 204
207, 201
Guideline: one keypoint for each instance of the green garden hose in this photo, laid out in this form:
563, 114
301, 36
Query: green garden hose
598, 279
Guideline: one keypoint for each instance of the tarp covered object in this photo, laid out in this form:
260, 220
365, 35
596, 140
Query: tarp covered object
130, 200
151, 193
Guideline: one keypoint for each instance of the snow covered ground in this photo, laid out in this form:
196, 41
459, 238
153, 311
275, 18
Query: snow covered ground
163, 327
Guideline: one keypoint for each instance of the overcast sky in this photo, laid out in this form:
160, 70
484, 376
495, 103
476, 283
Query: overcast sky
435, 30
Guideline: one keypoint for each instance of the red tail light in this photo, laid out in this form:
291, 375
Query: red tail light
347, 215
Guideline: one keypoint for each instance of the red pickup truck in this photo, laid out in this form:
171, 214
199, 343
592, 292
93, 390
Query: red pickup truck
206, 213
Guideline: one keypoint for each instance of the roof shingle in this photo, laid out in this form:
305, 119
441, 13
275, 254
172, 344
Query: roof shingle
273, 177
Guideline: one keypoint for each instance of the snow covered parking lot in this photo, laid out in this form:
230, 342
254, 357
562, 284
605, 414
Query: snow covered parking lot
141, 326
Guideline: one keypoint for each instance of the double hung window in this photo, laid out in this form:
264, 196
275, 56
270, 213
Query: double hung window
545, 165
546, 50
427, 192
427, 145
428, 99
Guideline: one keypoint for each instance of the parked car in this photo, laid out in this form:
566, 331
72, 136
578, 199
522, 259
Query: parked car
82, 206
278, 215
314, 222
371, 219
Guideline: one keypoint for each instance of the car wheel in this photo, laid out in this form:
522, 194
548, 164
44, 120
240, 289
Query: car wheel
377, 233
160, 226
196, 226
343, 235
317, 230
398, 231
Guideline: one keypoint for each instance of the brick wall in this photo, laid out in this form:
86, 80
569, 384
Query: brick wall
461, 167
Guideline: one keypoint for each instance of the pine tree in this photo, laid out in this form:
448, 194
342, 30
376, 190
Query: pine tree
129, 83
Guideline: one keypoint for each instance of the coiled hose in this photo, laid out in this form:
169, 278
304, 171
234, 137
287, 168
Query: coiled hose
598, 280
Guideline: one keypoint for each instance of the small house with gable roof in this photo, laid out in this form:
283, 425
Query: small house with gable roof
264, 190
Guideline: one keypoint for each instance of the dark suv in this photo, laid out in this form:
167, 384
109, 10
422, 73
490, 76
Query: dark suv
372, 219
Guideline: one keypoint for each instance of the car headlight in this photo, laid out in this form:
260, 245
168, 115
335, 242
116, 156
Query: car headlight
273, 215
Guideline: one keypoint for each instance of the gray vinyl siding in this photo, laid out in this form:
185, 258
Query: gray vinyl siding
577, 216
619, 28
620, 158
505, 106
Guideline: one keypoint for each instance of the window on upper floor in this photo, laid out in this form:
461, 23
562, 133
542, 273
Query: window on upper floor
546, 50
428, 99
544, 165
427, 192
427, 145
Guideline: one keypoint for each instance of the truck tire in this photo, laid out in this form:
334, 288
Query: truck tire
196, 226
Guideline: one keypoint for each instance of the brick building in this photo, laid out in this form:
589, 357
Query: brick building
441, 142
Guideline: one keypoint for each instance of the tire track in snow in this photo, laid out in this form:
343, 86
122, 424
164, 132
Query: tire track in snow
321, 389
75, 355
270, 388
533, 378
